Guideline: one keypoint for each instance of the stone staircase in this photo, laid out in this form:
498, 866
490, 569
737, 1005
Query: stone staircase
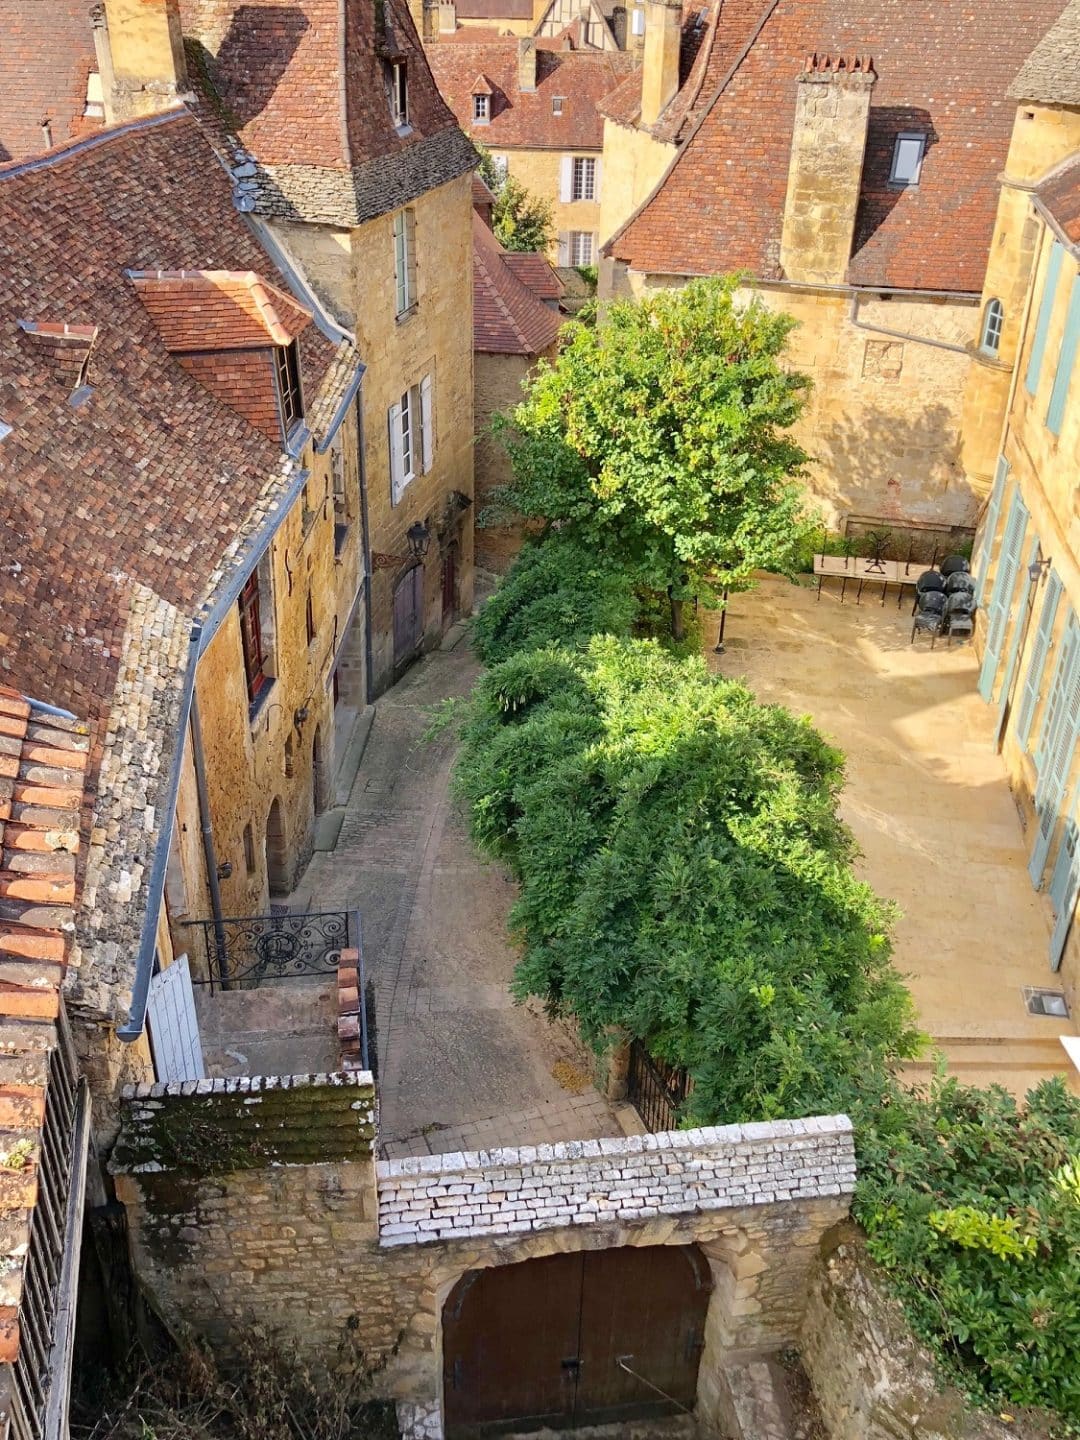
1018, 1059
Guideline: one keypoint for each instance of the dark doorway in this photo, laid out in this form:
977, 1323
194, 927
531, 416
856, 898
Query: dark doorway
450, 585
408, 616
277, 866
318, 773
590, 1339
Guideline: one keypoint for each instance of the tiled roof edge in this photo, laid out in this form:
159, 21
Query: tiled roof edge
90, 142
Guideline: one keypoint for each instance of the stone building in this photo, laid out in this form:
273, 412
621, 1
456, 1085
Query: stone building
182, 514
845, 157
594, 24
535, 108
516, 323
1022, 423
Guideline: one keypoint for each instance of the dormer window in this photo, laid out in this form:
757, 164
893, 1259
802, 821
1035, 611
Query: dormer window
907, 158
288, 382
399, 93
481, 109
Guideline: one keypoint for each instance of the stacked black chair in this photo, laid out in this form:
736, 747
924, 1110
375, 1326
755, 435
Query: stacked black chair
955, 565
928, 583
959, 580
929, 615
960, 614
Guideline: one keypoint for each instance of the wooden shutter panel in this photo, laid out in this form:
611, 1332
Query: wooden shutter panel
1001, 601
1065, 884
397, 459
1059, 747
564, 247
1017, 636
1070, 344
989, 529
1042, 324
427, 422
1055, 700
596, 181
1036, 669
566, 179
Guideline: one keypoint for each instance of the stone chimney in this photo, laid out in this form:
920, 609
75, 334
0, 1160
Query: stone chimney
447, 17
526, 63
660, 60
146, 48
832, 109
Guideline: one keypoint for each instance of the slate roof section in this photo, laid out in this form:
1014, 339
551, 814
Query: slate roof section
1059, 197
46, 55
943, 67
130, 512
1051, 73
43, 762
303, 87
525, 120
508, 317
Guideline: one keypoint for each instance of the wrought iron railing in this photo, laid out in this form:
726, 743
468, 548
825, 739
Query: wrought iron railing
657, 1091
240, 952
42, 1370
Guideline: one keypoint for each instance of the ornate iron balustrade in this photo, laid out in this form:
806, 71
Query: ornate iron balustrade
240, 952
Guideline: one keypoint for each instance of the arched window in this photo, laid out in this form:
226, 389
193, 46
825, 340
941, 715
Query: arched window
993, 320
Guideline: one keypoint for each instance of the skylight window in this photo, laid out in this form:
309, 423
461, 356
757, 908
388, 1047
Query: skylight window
5, 430
557, 102
908, 158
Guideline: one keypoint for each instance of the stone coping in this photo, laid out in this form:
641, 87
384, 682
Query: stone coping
250, 1084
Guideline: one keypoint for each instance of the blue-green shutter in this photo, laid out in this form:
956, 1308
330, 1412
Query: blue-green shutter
1042, 324
1057, 746
1036, 669
1001, 600
1014, 643
1065, 884
989, 527
1070, 343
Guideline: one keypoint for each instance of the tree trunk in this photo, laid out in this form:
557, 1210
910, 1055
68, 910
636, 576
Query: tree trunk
678, 629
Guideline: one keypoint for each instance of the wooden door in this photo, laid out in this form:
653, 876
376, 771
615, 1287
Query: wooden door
449, 585
174, 1025
408, 614
574, 1340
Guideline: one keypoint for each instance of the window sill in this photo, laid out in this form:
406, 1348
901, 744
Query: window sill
403, 315
403, 130
256, 706
341, 536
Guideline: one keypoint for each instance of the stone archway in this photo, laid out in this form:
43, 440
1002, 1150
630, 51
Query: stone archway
277, 851
593, 1337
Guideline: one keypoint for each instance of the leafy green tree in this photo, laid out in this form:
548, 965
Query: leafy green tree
520, 220
660, 437
684, 874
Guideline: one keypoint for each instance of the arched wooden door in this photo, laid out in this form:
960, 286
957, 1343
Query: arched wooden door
588, 1339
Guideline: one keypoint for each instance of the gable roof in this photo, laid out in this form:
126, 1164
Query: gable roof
943, 70
218, 309
303, 86
535, 271
509, 318
1051, 73
525, 119
131, 513
46, 56
1058, 196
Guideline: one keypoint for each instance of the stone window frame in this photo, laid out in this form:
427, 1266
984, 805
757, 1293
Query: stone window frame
993, 323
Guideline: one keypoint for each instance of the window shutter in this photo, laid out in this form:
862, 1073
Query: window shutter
427, 422
1065, 884
1070, 344
566, 179
596, 180
564, 247
1001, 599
1037, 664
1042, 325
1058, 751
989, 529
410, 256
397, 460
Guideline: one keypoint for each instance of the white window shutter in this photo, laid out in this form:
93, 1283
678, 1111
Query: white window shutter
566, 179
596, 181
564, 247
427, 422
397, 460
594, 258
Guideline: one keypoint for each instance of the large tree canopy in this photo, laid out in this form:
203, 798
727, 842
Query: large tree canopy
660, 438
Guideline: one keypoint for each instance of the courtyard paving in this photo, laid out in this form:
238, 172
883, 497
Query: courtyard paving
461, 1066
930, 806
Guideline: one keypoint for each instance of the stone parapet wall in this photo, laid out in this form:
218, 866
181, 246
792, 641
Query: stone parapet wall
638, 1177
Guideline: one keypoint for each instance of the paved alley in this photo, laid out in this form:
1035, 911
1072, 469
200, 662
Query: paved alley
460, 1065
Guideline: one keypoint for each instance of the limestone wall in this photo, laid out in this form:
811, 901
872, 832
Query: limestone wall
872, 1379
639, 1177
498, 388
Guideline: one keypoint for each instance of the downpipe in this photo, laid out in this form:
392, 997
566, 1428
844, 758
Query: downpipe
207, 831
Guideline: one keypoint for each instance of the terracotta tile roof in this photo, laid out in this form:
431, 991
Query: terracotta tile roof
218, 309
509, 318
942, 67
525, 119
130, 511
534, 271
303, 87
43, 762
1051, 73
46, 54
1059, 197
